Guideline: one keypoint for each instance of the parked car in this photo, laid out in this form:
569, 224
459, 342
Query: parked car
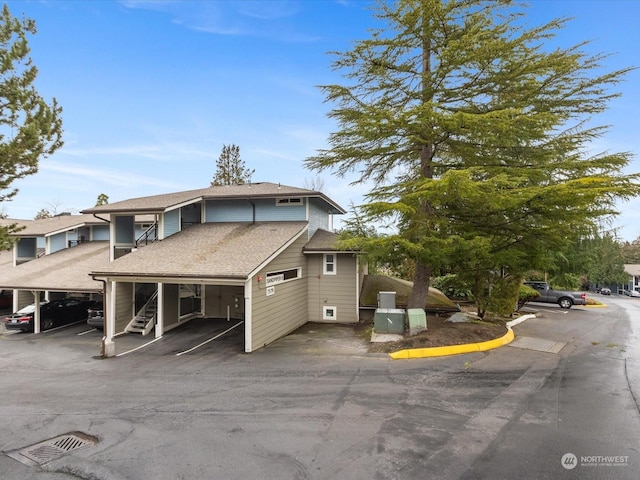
52, 314
95, 316
605, 291
634, 293
563, 298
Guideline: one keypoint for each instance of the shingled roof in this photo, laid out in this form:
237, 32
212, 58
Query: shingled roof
632, 269
59, 223
208, 250
63, 271
160, 203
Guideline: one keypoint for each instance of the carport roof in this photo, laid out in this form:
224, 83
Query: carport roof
632, 269
208, 251
6, 260
64, 271
59, 223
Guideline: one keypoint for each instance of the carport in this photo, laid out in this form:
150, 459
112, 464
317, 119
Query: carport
248, 271
65, 271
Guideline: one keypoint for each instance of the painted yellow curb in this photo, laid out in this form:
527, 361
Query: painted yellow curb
454, 349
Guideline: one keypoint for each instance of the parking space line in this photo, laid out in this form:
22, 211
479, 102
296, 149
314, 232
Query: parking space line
87, 331
138, 348
210, 340
55, 329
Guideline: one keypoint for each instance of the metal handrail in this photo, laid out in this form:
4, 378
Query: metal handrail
145, 235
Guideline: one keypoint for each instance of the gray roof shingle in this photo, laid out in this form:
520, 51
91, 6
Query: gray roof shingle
46, 226
209, 250
63, 271
632, 269
159, 203
322, 241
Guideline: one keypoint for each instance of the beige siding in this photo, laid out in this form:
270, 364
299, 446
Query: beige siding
25, 298
170, 304
339, 291
277, 315
124, 305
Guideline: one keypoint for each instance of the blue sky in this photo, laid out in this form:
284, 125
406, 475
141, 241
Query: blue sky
152, 90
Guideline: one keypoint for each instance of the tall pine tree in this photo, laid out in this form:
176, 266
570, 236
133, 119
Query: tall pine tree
230, 168
476, 136
30, 128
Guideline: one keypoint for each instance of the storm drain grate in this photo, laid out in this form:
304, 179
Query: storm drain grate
57, 447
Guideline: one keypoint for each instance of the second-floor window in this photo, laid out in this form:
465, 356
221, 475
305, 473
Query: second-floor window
289, 201
329, 264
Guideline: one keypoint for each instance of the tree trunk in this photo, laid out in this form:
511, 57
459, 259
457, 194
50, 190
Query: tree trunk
420, 290
422, 275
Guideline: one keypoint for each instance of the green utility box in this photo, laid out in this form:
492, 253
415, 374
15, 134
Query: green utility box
389, 320
417, 319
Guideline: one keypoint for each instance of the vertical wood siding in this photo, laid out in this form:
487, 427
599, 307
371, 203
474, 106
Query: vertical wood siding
217, 297
277, 315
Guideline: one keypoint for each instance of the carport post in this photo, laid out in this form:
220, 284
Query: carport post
159, 328
108, 345
36, 313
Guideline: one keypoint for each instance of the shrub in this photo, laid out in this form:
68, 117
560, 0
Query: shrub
452, 287
526, 294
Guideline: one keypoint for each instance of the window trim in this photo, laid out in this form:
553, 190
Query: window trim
277, 281
333, 263
289, 202
325, 311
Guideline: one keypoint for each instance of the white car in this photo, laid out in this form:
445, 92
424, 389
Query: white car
634, 293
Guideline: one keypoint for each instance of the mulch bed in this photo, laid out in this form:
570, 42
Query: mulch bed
441, 333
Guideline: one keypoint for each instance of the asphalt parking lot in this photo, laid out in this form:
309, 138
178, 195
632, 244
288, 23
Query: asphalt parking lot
202, 336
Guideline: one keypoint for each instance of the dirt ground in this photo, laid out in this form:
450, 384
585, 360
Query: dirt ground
441, 333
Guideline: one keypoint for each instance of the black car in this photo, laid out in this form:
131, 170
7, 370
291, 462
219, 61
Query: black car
52, 314
605, 291
95, 316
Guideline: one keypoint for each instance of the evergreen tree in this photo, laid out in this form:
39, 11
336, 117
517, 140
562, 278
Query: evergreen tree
42, 213
230, 168
475, 135
30, 129
103, 199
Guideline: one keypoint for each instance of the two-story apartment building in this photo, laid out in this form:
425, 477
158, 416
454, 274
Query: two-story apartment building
264, 253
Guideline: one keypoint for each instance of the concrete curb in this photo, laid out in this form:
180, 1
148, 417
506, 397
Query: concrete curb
465, 348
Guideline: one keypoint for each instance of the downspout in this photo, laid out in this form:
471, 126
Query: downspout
104, 220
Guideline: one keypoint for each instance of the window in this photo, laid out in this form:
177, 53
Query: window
289, 201
329, 264
329, 313
273, 278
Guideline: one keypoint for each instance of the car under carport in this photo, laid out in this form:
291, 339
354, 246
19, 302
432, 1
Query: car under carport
59, 274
